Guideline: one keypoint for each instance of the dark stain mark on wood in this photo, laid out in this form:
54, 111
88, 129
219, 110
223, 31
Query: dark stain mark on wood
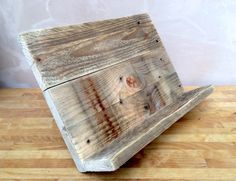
113, 129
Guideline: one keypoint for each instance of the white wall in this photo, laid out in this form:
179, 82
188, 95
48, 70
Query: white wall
199, 35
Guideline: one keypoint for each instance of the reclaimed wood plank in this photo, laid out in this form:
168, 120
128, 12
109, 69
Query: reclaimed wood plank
61, 54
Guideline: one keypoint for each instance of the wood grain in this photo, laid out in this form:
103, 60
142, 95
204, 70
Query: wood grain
61, 54
200, 146
102, 124
110, 87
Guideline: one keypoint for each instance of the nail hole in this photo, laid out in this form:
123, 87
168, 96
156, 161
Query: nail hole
146, 107
157, 40
161, 59
121, 78
159, 77
121, 102
138, 22
38, 59
179, 85
88, 141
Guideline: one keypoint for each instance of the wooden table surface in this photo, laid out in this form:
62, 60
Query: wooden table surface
202, 145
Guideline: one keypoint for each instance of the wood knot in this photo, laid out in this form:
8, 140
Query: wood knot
132, 81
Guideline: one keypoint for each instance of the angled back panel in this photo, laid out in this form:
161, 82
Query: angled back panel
103, 78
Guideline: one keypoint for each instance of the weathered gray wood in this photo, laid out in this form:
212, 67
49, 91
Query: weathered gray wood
103, 123
110, 86
112, 157
61, 54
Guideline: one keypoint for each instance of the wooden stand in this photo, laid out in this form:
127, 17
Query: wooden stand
110, 87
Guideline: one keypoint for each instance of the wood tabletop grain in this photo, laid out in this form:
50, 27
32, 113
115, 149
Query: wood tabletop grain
202, 145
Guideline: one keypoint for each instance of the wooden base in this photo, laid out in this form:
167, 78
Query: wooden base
200, 146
